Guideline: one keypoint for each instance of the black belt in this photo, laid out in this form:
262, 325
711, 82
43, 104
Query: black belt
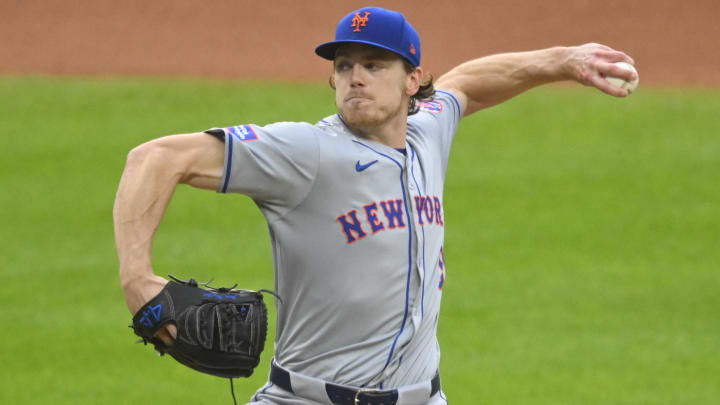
342, 395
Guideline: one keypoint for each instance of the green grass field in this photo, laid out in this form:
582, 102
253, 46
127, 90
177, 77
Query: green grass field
582, 243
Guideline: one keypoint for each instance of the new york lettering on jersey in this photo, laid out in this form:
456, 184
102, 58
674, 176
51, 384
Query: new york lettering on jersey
388, 215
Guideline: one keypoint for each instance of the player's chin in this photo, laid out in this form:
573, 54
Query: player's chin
357, 108
359, 117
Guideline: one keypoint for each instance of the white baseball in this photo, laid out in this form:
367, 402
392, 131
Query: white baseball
622, 83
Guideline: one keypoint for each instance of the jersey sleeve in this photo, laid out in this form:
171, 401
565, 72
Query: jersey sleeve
437, 120
275, 165
449, 115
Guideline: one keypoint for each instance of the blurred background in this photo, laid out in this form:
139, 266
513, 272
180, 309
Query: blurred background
582, 231
673, 43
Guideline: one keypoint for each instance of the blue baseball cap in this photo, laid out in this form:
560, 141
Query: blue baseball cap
379, 27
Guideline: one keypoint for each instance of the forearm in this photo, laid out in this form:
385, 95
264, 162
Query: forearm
487, 81
142, 198
493, 79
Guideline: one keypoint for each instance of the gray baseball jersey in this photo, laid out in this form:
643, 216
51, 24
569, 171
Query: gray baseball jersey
357, 238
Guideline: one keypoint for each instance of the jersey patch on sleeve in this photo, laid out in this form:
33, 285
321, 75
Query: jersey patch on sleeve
242, 133
432, 106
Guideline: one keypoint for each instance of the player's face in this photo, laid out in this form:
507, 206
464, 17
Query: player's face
371, 86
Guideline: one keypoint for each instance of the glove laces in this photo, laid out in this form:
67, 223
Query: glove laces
232, 391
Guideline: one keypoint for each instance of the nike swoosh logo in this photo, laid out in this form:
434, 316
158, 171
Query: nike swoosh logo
359, 167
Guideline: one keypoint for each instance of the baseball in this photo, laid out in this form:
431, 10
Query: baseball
622, 83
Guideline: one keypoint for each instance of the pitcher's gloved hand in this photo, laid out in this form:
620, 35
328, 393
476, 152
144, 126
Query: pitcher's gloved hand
220, 331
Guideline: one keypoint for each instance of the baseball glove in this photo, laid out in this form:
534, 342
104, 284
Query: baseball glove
220, 331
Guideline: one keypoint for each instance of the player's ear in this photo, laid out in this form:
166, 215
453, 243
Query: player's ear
413, 81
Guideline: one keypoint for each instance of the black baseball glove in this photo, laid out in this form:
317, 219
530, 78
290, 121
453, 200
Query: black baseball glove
220, 331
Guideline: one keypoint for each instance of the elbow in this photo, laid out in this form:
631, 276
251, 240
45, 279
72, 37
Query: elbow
146, 174
148, 156
137, 157
170, 159
153, 160
142, 154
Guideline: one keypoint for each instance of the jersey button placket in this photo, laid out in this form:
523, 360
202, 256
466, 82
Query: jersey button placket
412, 192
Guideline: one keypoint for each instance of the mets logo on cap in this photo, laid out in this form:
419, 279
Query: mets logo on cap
358, 21
375, 26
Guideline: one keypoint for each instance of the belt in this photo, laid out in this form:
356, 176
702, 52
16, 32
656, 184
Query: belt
344, 395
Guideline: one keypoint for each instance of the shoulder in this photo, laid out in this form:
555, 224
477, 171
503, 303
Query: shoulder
255, 132
288, 126
332, 126
443, 106
289, 129
450, 98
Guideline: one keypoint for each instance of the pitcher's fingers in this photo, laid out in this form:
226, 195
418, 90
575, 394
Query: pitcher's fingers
615, 56
167, 334
603, 85
613, 70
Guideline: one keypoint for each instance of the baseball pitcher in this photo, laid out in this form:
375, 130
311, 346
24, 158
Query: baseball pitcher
355, 208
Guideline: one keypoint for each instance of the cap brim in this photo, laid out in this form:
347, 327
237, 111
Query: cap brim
327, 50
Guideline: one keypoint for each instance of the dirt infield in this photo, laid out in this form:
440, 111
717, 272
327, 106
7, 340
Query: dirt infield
673, 43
